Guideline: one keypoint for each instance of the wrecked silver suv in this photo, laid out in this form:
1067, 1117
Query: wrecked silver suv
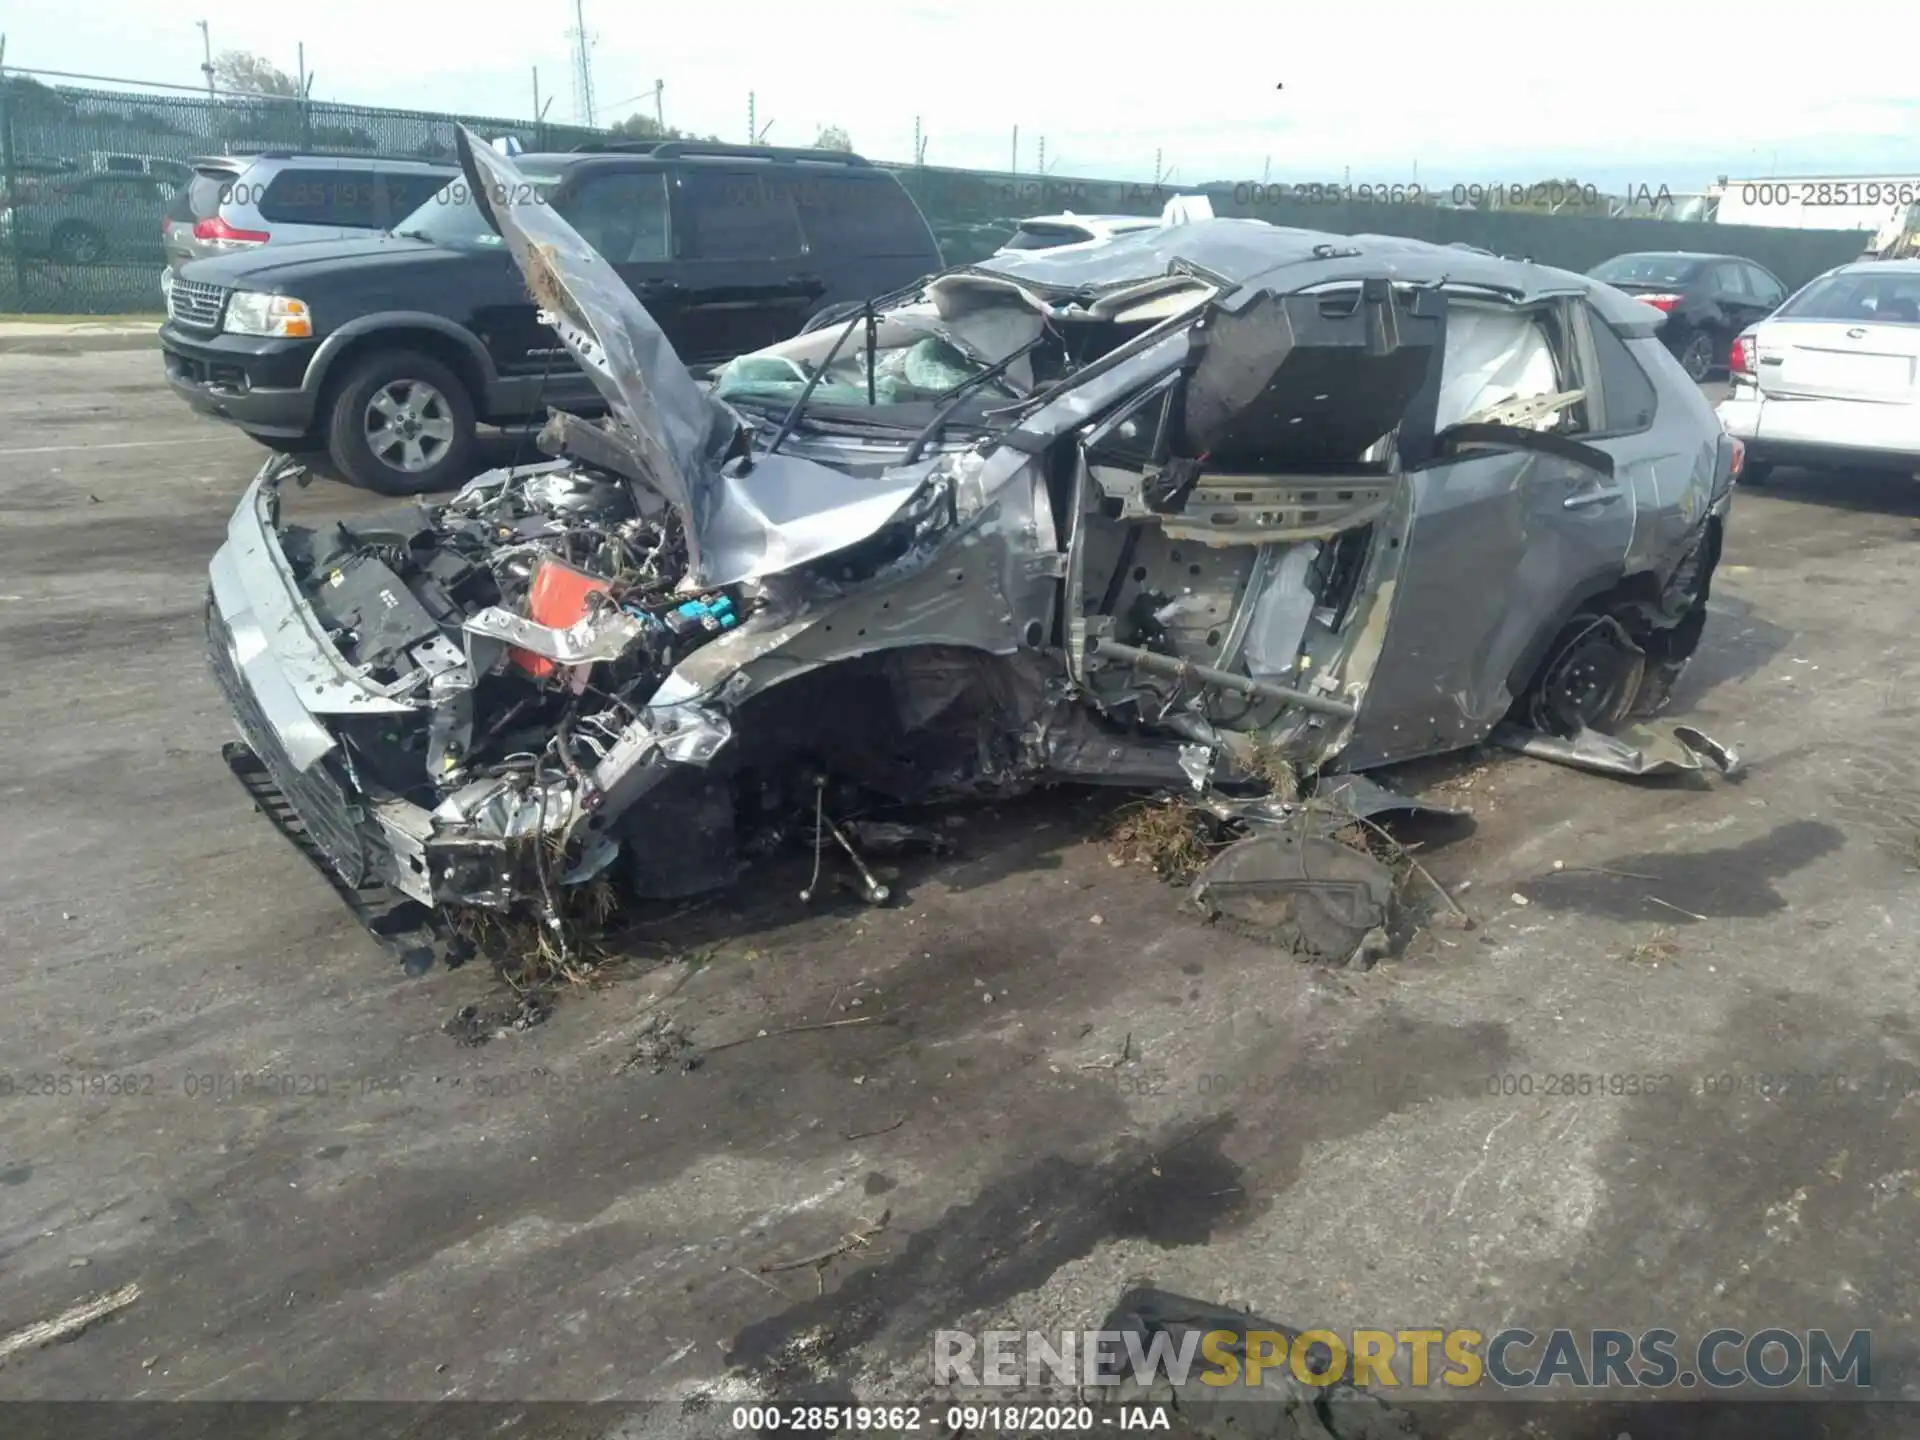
1149, 515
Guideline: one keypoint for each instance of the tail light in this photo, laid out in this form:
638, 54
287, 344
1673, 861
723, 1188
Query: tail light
1739, 456
1663, 303
1740, 363
216, 229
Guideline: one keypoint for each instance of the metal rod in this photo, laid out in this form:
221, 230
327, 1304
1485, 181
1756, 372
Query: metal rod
206, 43
872, 345
1206, 674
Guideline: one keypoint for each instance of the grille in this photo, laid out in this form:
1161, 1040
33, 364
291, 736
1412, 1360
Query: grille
195, 303
315, 795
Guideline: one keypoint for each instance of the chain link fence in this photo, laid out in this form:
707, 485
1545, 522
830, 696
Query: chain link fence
88, 175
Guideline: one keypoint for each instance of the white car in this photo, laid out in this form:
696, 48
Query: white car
1067, 232
1832, 378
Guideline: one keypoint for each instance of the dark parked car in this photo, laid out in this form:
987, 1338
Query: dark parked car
85, 219
1708, 299
386, 351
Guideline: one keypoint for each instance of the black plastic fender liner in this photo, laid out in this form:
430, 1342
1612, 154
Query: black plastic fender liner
414, 933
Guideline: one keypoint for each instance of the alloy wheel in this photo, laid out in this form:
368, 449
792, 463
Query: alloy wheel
409, 426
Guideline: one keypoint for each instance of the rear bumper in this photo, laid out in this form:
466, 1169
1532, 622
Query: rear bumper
257, 384
1815, 432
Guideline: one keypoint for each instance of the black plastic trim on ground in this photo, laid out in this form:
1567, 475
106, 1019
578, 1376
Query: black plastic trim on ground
402, 924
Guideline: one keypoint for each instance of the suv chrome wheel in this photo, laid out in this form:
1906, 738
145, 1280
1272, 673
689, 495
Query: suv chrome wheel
409, 426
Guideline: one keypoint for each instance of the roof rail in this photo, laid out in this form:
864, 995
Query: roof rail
271, 152
681, 149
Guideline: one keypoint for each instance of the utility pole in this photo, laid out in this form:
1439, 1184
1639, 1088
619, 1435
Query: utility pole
753, 126
1266, 170
1156, 169
1043, 155
206, 43
919, 145
659, 105
582, 65
1013, 165
536, 93
303, 69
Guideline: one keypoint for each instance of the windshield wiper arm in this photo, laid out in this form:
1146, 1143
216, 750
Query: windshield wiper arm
806, 392
958, 393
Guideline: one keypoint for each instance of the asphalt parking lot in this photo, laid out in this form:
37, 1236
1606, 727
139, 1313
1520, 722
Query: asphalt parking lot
216, 1087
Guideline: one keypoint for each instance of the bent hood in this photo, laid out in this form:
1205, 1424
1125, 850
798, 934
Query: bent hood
681, 435
674, 436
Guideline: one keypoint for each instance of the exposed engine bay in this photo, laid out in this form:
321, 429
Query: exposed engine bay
1215, 510
567, 595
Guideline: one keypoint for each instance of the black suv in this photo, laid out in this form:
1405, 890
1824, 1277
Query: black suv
386, 351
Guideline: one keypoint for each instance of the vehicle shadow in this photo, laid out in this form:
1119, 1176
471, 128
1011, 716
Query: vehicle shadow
1887, 492
1738, 645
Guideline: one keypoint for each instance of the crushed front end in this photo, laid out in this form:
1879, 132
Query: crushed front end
444, 696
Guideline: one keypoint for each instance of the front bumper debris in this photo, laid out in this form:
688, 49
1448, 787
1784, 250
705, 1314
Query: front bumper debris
1637, 751
414, 933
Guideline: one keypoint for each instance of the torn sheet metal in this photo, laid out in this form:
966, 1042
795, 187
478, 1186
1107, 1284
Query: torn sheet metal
681, 431
741, 523
1636, 751
591, 638
1366, 798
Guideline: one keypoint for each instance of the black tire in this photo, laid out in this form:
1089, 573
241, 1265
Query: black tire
74, 242
1756, 473
1698, 356
438, 400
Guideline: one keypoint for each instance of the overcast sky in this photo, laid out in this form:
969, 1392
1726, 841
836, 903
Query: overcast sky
1630, 92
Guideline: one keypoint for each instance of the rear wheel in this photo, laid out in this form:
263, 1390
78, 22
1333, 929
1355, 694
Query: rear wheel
74, 242
1698, 355
401, 423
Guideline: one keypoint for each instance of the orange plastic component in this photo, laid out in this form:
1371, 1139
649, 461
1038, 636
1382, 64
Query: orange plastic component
558, 598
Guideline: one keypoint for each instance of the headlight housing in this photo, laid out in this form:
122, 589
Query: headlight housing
253, 312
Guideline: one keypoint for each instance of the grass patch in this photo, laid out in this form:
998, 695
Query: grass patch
1167, 835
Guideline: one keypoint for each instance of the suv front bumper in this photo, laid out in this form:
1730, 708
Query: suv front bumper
255, 382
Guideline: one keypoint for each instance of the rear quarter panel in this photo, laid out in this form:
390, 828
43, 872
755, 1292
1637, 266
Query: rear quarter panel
1670, 465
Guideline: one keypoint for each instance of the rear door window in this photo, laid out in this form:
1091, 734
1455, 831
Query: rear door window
1730, 280
1627, 397
1765, 288
856, 214
341, 199
737, 215
623, 215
